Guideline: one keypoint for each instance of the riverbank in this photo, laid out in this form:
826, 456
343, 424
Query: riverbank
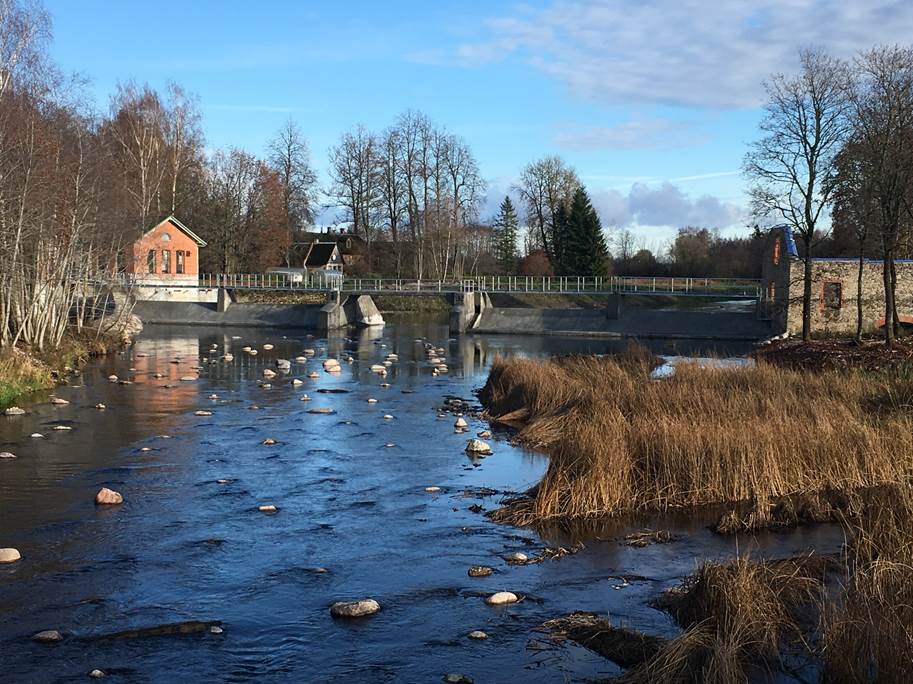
24, 371
774, 446
871, 355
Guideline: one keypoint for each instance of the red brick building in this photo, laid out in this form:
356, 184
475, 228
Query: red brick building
169, 251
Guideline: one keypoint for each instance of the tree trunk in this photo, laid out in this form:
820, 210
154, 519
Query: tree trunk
807, 294
859, 295
888, 296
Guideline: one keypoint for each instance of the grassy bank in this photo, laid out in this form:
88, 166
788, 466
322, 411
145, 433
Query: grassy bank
408, 304
21, 374
279, 297
23, 371
761, 436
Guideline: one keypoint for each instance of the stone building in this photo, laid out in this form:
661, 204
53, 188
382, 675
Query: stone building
834, 289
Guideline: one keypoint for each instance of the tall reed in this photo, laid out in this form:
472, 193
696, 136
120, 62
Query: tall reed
620, 441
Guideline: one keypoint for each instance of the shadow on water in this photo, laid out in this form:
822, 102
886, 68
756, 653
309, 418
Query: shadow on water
189, 545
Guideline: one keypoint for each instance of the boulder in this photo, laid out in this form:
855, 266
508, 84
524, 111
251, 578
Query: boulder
305, 397
484, 434
323, 410
283, 364
112, 378
457, 678
6, 455
267, 373
502, 598
267, 347
202, 412
480, 571
108, 497
388, 417
98, 674
14, 411
354, 609
267, 508
477, 634
313, 375
477, 446
189, 378
100, 407
36, 435
297, 381
372, 401
48, 636
9, 555
301, 359
62, 427
516, 557
269, 441
461, 424
433, 489
58, 401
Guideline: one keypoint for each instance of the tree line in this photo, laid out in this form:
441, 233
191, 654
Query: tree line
835, 162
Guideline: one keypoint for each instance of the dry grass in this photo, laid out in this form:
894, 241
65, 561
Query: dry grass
620, 442
868, 631
626, 647
738, 617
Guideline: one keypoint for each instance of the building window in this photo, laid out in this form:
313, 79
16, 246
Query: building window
777, 248
771, 291
179, 261
166, 237
833, 295
150, 261
166, 261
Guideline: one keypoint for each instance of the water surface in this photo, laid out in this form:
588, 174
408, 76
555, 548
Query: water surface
350, 491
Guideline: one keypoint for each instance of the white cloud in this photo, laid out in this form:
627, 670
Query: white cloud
665, 205
630, 135
684, 52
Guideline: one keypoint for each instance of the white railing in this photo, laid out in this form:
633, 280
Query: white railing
708, 287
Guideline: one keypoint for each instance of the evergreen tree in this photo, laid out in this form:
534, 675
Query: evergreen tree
560, 228
584, 250
507, 227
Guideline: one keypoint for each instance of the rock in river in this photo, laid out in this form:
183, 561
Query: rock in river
460, 424
477, 634
14, 411
353, 609
267, 508
48, 636
480, 571
10, 555
502, 598
108, 497
516, 557
457, 678
477, 446
97, 674
6, 455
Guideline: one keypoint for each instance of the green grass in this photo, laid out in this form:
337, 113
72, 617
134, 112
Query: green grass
21, 374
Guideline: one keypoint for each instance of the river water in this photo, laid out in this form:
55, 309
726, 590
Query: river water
350, 488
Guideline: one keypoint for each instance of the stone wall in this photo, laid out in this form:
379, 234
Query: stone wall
837, 314
834, 290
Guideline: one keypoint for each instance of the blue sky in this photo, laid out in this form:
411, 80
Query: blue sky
652, 102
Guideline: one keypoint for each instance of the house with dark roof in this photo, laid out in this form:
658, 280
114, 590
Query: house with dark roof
324, 256
835, 289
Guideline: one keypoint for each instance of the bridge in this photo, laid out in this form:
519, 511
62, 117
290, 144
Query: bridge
729, 288
349, 301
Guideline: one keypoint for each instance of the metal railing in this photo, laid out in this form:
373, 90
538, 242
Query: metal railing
742, 288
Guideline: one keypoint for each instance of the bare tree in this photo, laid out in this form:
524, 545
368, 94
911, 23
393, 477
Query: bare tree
545, 185
882, 118
356, 187
290, 158
183, 139
804, 126
24, 29
393, 191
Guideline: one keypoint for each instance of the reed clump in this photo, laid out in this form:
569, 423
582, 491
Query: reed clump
868, 628
738, 617
621, 442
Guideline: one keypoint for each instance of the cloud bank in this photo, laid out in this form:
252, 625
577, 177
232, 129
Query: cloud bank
683, 52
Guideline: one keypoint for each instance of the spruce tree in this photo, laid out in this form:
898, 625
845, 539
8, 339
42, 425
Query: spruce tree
584, 250
560, 231
507, 227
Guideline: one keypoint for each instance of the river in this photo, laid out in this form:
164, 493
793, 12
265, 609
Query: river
350, 489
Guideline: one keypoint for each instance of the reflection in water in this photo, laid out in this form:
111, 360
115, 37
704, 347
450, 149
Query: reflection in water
189, 543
